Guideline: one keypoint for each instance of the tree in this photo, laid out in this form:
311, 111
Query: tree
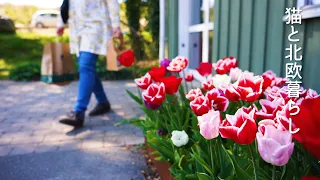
23, 17
154, 24
133, 14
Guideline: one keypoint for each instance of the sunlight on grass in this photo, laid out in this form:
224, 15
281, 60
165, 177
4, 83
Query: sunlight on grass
20, 48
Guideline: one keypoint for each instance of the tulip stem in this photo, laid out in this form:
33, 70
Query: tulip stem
211, 155
253, 162
274, 172
185, 82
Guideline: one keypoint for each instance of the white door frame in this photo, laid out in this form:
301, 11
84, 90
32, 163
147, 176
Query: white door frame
185, 28
162, 30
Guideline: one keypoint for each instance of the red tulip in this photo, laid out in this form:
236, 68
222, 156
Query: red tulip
193, 94
268, 79
189, 77
241, 127
126, 58
207, 86
155, 94
224, 65
231, 92
218, 101
279, 81
171, 84
308, 120
310, 178
178, 64
157, 73
205, 68
249, 87
144, 81
200, 105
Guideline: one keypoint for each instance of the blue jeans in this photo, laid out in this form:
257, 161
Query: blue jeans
89, 82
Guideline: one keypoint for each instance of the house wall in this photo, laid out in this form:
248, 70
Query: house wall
253, 31
172, 27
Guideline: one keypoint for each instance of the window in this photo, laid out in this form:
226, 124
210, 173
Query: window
54, 15
196, 30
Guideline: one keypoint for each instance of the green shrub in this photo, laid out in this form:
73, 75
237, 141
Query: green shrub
123, 74
25, 72
31, 71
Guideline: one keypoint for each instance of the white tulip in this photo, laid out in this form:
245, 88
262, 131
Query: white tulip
179, 138
220, 80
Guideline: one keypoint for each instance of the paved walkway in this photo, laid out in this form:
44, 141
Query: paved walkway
33, 145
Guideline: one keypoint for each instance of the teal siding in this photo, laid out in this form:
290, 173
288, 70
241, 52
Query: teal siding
234, 25
253, 31
172, 27
311, 54
259, 37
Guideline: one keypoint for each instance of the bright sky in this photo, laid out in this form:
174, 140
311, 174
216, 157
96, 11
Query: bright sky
38, 3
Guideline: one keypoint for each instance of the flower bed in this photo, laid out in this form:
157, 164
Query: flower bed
236, 126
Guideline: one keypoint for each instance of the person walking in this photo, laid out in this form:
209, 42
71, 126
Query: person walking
92, 24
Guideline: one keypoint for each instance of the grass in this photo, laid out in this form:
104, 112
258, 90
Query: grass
22, 47
19, 48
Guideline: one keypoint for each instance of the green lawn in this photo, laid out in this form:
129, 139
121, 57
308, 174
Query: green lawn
19, 48
25, 47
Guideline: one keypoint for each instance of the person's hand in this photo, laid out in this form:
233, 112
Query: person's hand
116, 32
60, 31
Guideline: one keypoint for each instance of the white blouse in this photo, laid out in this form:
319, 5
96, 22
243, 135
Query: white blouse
91, 23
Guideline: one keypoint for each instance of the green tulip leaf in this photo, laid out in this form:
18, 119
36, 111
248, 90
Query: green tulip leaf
203, 176
176, 156
284, 169
187, 119
180, 162
203, 163
134, 97
241, 174
263, 174
191, 177
226, 171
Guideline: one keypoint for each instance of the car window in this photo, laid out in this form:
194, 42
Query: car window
54, 15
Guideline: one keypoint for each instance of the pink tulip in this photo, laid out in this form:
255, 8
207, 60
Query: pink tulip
178, 64
154, 94
249, 87
193, 94
223, 66
271, 93
235, 73
269, 108
231, 92
209, 124
274, 145
200, 105
217, 100
144, 81
207, 85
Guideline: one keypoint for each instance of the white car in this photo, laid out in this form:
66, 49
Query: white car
45, 18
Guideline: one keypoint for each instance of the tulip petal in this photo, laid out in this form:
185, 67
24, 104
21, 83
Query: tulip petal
247, 132
266, 148
282, 155
229, 132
